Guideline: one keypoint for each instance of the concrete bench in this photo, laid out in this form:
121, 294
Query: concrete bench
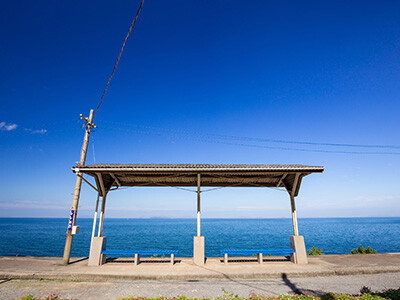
259, 253
137, 253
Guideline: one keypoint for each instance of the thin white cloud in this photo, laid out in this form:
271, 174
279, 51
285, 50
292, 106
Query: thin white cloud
7, 126
39, 131
36, 131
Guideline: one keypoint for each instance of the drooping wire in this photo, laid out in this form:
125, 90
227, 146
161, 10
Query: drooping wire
255, 139
119, 56
208, 140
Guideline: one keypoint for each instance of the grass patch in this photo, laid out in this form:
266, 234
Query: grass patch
365, 294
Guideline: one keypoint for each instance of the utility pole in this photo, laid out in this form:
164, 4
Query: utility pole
75, 201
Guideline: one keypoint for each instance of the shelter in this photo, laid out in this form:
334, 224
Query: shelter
112, 176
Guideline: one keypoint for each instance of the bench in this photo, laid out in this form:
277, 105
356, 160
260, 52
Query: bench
259, 253
137, 253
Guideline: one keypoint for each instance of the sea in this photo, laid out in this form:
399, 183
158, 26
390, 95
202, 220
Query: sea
46, 236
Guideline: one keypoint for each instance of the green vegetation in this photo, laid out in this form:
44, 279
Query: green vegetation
362, 250
255, 254
392, 294
365, 294
315, 251
51, 296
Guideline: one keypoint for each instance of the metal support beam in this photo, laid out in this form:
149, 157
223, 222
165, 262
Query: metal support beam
115, 179
281, 180
101, 182
88, 183
95, 217
294, 216
293, 205
103, 207
198, 206
103, 203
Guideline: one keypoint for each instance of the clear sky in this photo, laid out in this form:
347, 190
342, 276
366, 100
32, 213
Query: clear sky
314, 71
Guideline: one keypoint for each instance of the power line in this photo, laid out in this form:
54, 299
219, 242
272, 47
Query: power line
258, 139
119, 56
251, 145
222, 139
264, 140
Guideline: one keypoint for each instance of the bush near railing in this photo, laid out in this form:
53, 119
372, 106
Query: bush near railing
362, 250
315, 251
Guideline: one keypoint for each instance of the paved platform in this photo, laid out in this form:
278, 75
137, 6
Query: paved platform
325, 265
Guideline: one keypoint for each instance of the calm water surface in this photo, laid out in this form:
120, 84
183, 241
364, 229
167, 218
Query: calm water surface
46, 237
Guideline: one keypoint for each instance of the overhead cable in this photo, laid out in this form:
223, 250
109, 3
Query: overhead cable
205, 139
256, 139
119, 56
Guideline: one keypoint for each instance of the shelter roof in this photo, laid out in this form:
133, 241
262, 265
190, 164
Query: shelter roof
201, 167
221, 175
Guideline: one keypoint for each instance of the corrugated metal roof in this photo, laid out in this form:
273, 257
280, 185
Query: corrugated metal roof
193, 167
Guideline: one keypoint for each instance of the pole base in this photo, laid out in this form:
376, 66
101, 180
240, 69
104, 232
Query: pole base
198, 250
297, 244
95, 256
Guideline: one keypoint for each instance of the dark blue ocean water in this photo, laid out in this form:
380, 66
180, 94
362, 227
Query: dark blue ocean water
46, 237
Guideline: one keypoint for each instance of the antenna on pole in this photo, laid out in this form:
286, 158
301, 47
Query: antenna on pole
74, 208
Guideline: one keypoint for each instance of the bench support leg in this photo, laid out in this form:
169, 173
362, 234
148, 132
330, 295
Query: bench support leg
225, 258
172, 259
260, 258
137, 259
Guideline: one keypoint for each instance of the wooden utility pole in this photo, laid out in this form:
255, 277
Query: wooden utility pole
75, 201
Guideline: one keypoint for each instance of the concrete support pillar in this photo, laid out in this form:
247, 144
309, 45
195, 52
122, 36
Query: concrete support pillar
198, 241
137, 259
172, 259
95, 257
260, 258
296, 241
225, 258
198, 250
297, 244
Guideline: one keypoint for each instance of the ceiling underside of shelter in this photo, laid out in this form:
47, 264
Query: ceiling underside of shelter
211, 175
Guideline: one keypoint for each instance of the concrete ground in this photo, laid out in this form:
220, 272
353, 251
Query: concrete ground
340, 273
114, 289
51, 268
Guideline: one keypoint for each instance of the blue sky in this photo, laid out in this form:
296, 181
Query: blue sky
317, 71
